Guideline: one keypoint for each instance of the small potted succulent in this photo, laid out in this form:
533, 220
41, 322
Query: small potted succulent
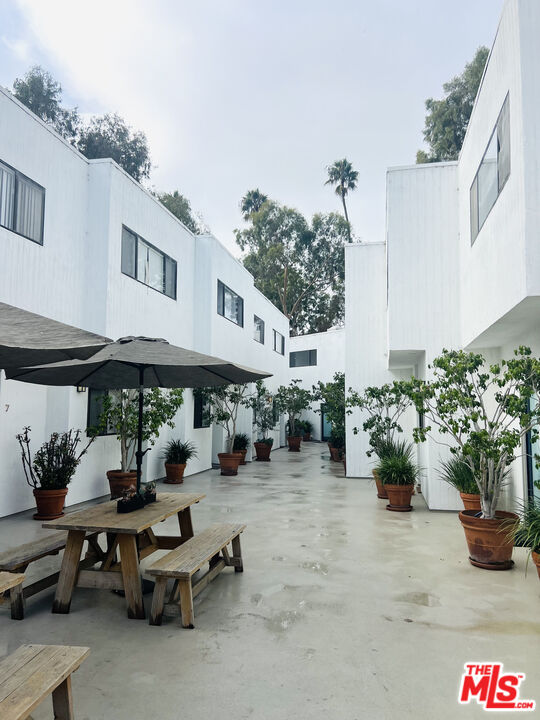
527, 532
307, 427
51, 469
241, 445
130, 500
292, 399
176, 455
398, 474
262, 404
149, 492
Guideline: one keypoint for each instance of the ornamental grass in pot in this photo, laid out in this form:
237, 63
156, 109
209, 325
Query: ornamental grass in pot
457, 472
241, 445
398, 473
176, 455
527, 532
487, 411
51, 469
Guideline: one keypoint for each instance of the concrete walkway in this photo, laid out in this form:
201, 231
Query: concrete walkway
344, 611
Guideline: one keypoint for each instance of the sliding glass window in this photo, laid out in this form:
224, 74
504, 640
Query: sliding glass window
22, 204
147, 264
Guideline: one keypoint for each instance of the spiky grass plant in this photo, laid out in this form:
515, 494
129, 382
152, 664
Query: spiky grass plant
527, 532
399, 469
457, 472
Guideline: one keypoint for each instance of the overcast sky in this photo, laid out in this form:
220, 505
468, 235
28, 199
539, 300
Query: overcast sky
237, 94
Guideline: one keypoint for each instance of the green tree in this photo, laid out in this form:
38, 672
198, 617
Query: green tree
300, 268
342, 175
108, 136
292, 399
40, 92
181, 208
447, 119
252, 203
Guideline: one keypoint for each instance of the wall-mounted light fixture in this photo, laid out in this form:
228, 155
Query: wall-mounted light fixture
80, 388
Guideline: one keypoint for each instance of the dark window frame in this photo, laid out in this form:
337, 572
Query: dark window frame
164, 256
278, 334
19, 174
475, 226
92, 392
255, 318
221, 287
199, 420
312, 355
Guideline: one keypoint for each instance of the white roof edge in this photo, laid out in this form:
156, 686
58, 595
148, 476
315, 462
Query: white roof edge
325, 332
422, 166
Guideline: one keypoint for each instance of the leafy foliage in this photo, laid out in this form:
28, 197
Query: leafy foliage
177, 452
527, 532
332, 398
56, 461
399, 469
120, 412
180, 207
485, 410
252, 202
292, 399
262, 404
300, 268
343, 177
241, 442
225, 402
458, 473
447, 119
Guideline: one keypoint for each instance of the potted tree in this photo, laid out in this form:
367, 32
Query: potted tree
262, 404
486, 411
332, 402
398, 473
337, 444
120, 412
292, 399
176, 455
307, 427
527, 532
51, 469
384, 406
241, 445
225, 403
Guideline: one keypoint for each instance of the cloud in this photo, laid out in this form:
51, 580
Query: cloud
18, 47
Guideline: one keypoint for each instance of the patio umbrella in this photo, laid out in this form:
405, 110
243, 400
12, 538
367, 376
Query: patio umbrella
139, 362
30, 339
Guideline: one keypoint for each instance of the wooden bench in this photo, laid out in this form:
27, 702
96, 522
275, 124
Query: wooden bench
183, 562
17, 560
11, 584
32, 673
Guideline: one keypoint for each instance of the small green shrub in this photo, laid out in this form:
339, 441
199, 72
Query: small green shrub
398, 470
177, 452
457, 472
241, 442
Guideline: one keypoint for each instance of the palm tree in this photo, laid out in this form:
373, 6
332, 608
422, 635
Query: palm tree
252, 202
344, 177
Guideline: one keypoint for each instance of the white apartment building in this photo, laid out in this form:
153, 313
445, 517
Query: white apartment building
460, 267
81, 242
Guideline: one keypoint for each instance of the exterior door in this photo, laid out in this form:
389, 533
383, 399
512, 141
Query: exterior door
326, 425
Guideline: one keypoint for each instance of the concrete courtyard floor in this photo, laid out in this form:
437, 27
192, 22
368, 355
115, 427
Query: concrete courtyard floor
344, 611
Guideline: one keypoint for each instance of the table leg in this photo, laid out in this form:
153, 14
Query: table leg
68, 571
129, 560
63, 701
186, 526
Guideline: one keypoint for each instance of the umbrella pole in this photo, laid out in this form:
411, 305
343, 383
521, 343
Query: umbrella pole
139, 454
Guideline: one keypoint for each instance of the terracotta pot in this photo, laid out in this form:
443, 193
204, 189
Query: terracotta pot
263, 451
307, 437
243, 453
381, 489
119, 481
49, 503
294, 443
490, 546
399, 497
345, 466
175, 473
229, 463
536, 560
471, 501
335, 454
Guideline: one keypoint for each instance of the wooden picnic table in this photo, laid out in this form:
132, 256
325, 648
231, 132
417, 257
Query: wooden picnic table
131, 534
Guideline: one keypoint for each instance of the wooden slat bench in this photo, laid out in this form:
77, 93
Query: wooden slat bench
11, 584
183, 562
32, 673
17, 559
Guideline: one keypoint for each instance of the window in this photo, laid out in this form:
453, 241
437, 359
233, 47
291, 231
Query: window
229, 304
279, 343
95, 408
302, 358
492, 174
22, 204
258, 329
147, 264
201, 410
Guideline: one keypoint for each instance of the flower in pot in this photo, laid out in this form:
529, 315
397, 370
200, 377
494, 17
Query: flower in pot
331, 396
224, 404
130, 500
120, 413
307, 427
457, 472
398, 474
527, 532
292, 399
264, 420
51, 469
241, 445
176, 455
487, 412
384, 407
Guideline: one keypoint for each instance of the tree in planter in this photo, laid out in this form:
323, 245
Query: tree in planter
225, 402
332, 398
487, 412
264, 420
292, 399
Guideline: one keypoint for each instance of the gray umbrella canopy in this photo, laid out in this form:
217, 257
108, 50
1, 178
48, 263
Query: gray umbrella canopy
30, 339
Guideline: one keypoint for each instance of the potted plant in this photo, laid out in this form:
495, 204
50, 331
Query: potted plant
307, 427
120, 412
51, 469
176, 455
331, 396
292, 399
241, 445
149, 492
384, 407
130, 500
398, 474
527, 532
262, 404
225, 403
457, 472
337, 444
486, 411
